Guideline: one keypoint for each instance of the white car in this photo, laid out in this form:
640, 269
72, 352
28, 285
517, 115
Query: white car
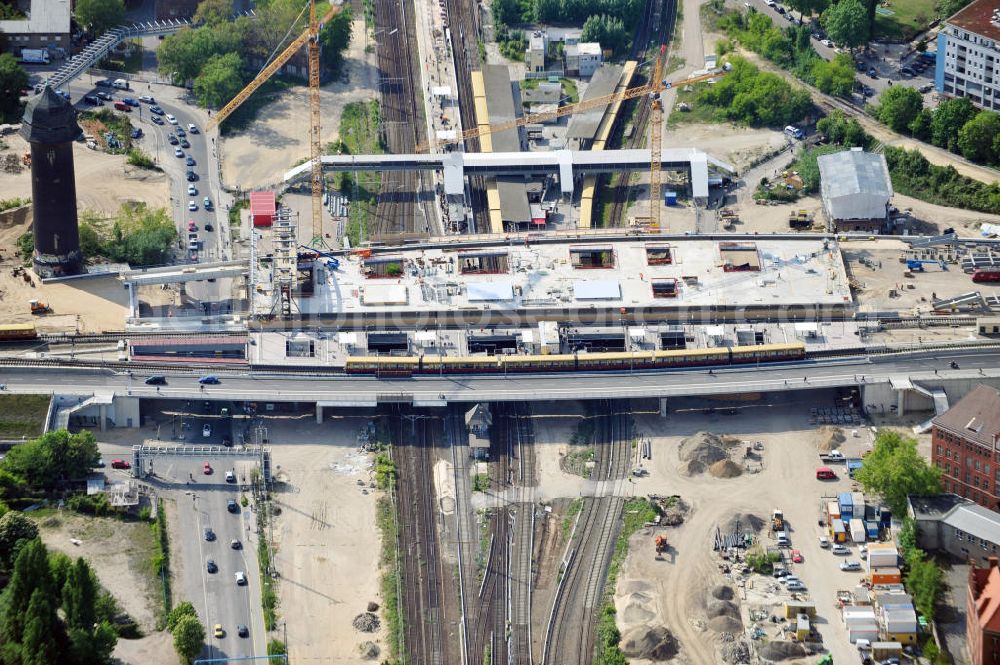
840, 550
791, 579
192, 128
848, 566
796, 586
192, 191
206, 430
827, 43
192, 206
824, 542
178, 152
241, 578
171, 119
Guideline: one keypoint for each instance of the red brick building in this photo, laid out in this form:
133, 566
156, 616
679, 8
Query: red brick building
982, 625
965, 444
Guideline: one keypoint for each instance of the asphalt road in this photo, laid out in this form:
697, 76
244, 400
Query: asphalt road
201, 502
362, 389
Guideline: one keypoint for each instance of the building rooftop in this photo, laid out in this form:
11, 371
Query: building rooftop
583, 125
544, 93
975, 417
583, 48
500, 100
610, 275
855, 184
958, 513
985, 587
44, 17
981, 17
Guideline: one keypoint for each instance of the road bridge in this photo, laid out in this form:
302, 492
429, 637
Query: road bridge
567, 164
185, 273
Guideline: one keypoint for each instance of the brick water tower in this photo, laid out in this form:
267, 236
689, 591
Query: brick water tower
49, 126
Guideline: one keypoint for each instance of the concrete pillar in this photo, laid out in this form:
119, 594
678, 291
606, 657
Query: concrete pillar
103, 418
900, 402
663, 407
319, 414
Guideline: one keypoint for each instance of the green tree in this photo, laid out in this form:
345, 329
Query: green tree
16, 530
896, 470
40, 625
334, 39
807, 7
79, 594
219, 81
608, 31
835, 77
977, 137
949, 118
921, 126
506, 12
899, 107
847, 24
185, 609
56, 455
213, 12
13, 79
183, 54
59, 567
189, 638
97, 16
31, 572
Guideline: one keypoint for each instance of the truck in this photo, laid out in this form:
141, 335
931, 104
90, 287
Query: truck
777, 520
832, 456
35, 56
858, 533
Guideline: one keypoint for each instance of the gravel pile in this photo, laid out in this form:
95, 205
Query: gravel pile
649, 643
700, 451
723, 592
736, 652
366, 622
372, 606
746, 521
829, 438
369, 650
780, 650
726, 624
726, 469
722, 608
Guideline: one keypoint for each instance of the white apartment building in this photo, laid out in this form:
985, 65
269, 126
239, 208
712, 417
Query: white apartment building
968, 62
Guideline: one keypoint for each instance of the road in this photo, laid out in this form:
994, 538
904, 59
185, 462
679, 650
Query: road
431, 390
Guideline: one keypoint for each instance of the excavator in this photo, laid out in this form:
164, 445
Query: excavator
38, 307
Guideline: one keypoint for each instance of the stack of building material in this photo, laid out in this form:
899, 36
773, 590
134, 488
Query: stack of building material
861, 623
883, 564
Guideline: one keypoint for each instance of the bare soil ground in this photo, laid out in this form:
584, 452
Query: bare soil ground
326, 539
260, 154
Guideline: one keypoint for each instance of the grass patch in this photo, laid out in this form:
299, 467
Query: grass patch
119, 62
572, 510
391, 578
699, 112
674, 62
22, 416
105, 120
359, 135
636, 513
16, 202
138, 157
160, 562
481, 482
570, 91
908, 18
234, 211
576, 461
268, 596
385, 471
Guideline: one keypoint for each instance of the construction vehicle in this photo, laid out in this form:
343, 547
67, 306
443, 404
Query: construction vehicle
332, 262
311, 38
918, 264
777, 520
661, 546
800, 219
38, 307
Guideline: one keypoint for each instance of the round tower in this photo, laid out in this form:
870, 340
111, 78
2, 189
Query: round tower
49, 126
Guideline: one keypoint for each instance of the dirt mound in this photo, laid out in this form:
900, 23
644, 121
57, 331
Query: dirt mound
726, 624
736, 652
636, 587
722, 608
635, 613
829, 438
726, 469
366, 622
745, 522
703, 449
649, 643
369, 650
723, 592
781, 650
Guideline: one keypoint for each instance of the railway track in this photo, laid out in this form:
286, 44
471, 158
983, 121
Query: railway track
667, 12
463, 29
402, 120
423, 596
522, 516
571, 629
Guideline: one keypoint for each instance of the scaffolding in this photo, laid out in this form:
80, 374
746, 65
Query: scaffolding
284, 264
124, 494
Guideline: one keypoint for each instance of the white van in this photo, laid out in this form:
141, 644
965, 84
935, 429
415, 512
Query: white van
794, 132
121, 84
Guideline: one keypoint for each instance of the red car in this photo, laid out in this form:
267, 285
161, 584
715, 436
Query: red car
796, 556
120, 464
207, 469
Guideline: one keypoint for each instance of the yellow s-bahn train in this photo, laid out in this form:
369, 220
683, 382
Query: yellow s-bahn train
395, 366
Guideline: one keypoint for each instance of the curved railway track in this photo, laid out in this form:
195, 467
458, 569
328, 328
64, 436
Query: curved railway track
570, 634
643, 41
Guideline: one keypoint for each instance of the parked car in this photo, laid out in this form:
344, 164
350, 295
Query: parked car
130, 101
230, 477
212, 568
925, 88
235, 544
872, 73
103, 83
156, 380
209, 534
206, 431
231, 506
192, 128
189, 161
206, 468
827, 43
93, 100
207, 202
796, 556
137, 132
192, 206
796, 586
192, 191
907, 71
120, 464
156, 120
172, 140
156, 109
178, 153
791, 579
191, 176
99, 464
218, 631
147, 99
180, 131
106, 96
824, 542
209, 228
781, 572
242, 630
848, 566
840, 550
171, 119
185, 144
241, 578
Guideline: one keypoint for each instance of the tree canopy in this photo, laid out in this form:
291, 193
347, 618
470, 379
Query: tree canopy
97, 16
899, 107
978, 138
54, 456
835, 77
896, 470
608, 31
219, 80
748, 96
213, 12
948, 119
847, 23
807, 7
189, 638
13, 79
16, 530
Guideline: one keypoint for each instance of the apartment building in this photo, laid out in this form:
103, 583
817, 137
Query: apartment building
965, 443
968, 62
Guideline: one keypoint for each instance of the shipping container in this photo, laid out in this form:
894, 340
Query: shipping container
858, 534
872, 529
795, 607
885, 516
801, 627
886, 575
858, 504
882, 555
833, 510
869, 632
853, 464
844, 499
881, 650
838, 532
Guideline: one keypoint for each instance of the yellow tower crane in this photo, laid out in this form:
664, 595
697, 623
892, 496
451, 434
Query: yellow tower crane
310, 37
656, 143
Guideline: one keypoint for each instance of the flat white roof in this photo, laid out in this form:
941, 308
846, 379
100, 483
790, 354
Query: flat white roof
490, 291
385, 294
44, 17
806, 326
597, 289
347, 338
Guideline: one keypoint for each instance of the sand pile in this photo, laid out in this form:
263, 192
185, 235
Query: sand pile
719, 608
829, 438
746, 522
703, 449
723, 592
637, 613
726, 469
649, 643
779, 650
726, 624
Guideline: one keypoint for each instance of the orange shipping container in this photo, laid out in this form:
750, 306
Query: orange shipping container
886, 576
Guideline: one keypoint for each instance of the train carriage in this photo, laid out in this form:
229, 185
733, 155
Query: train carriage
16, 332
